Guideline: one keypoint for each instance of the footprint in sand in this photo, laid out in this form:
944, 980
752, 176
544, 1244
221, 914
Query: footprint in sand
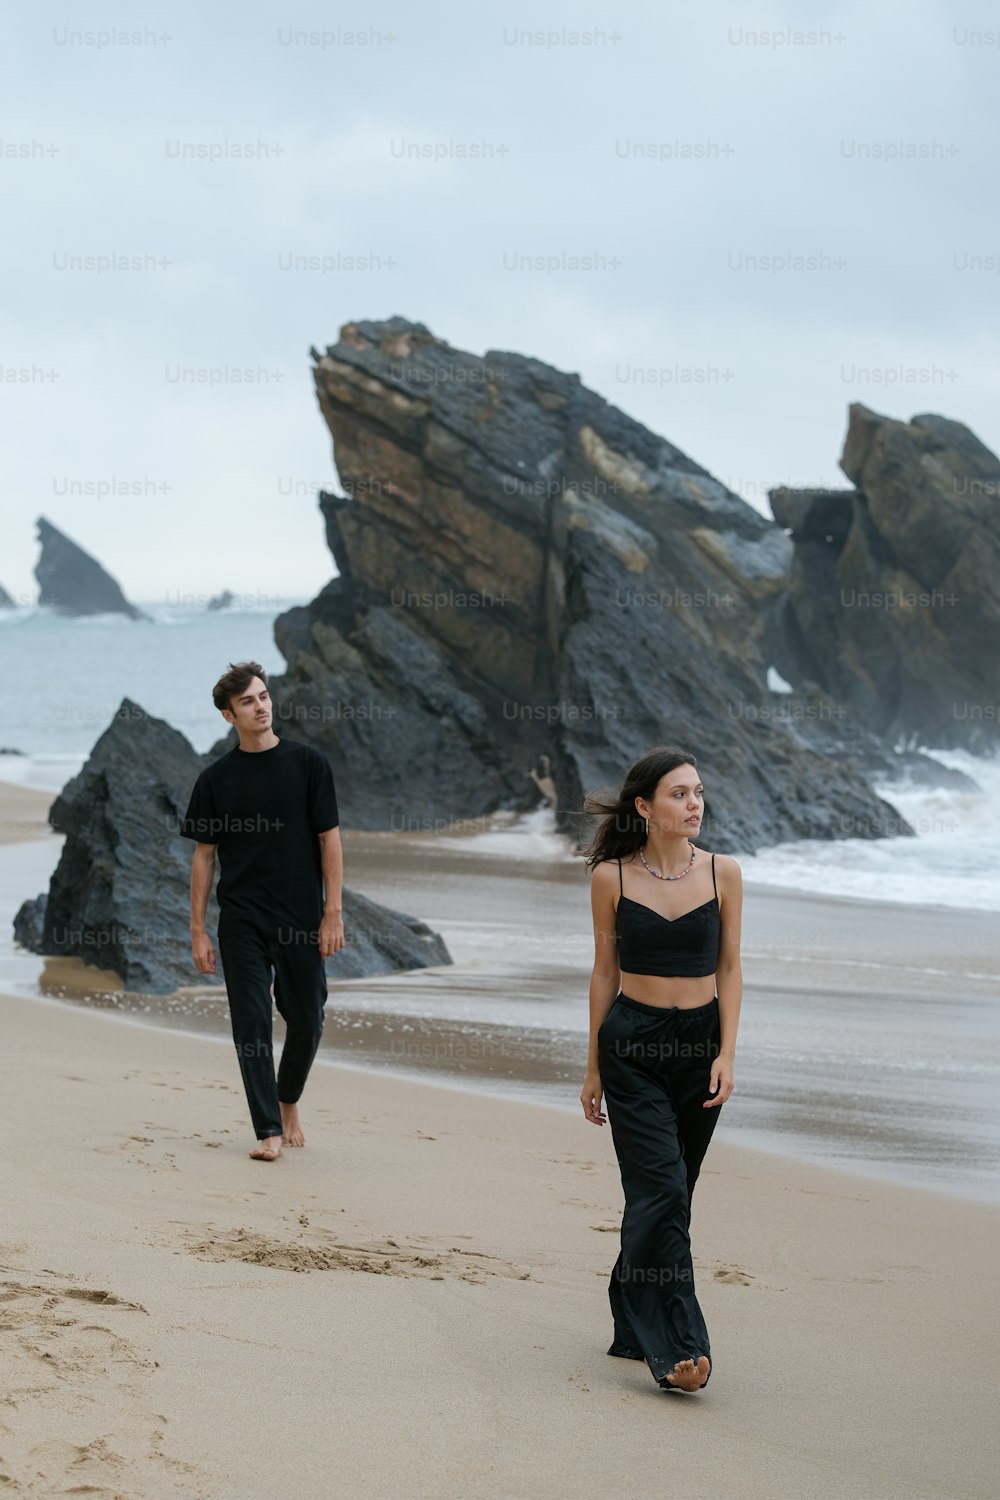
109, 1465
84, 1380
887, 1273
136, 1146
322, 1252
733, 1275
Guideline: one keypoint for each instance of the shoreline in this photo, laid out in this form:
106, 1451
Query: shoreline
522, 1090
831, 984
442, 1247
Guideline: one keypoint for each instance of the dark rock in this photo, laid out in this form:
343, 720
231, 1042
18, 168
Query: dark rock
73, 582
892, 606
10, 750
6, 600
814, 515
528, 578
119, 897
220, 601
29, 924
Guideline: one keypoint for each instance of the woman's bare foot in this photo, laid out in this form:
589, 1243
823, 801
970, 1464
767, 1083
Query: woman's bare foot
291, 1129
269, 1149
684, 1376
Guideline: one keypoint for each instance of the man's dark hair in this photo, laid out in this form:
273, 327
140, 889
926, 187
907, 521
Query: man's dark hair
236, 681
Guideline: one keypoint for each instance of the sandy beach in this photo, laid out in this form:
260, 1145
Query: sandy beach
415, 1304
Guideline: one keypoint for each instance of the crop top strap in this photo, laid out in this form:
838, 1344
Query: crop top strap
621, 887
714, 886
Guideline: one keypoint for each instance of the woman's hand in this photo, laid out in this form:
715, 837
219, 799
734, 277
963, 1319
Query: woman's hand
720, 1082
590, 1098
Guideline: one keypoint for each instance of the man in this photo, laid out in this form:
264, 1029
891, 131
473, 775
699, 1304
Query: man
270, 808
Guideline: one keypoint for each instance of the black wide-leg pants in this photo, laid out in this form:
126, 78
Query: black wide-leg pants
655, 1065
249, 953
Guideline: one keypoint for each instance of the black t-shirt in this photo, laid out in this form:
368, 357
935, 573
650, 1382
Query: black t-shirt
264, 809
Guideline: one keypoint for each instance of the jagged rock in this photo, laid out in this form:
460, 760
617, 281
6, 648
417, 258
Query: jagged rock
528, 577
6, 600
74, 582
119, 897
892, 605
220, 601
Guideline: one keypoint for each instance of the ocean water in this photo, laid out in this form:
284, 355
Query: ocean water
64, 679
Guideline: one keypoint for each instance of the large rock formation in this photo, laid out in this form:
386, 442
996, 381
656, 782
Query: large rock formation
529, 577
73, 582
893, 606
119, 897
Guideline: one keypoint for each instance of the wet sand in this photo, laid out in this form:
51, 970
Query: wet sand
869, 1035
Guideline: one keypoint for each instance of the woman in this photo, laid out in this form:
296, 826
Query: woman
662, 1045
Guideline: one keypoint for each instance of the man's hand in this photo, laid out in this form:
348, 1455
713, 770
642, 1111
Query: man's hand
331, 934
203, 953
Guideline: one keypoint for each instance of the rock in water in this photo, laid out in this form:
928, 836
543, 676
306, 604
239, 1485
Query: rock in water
892, 605
120, 895
73, 582
529, 578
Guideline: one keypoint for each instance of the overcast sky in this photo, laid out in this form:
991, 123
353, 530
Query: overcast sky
673, 147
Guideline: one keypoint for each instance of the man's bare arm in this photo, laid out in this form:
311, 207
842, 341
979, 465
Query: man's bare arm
331, 928
202, 875
332, 854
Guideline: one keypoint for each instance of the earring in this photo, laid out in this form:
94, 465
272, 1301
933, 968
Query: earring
647, 827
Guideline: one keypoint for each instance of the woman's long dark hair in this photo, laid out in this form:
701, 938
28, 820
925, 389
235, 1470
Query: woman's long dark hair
621, 830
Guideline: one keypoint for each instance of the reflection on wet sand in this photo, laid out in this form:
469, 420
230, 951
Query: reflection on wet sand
472, 1052
869, 1034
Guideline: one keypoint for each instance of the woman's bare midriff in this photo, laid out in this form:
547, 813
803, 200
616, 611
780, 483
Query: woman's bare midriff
656, 989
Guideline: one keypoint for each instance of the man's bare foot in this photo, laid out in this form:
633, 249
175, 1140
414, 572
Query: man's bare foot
269, 1149
291, 1129
684, 1376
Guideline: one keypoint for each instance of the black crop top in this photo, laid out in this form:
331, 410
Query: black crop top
685, 947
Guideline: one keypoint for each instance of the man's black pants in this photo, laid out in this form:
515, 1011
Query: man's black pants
249, 953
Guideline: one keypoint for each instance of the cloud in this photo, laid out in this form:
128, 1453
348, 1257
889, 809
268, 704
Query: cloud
688, 192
